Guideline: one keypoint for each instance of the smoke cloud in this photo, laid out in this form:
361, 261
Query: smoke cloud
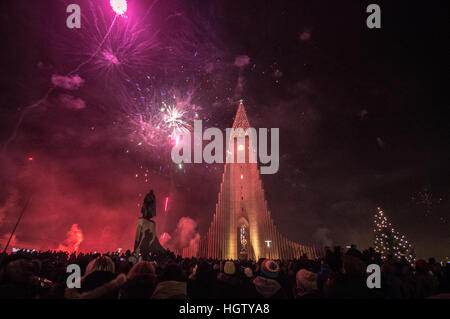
185, 235
67, 82
322, 236
305, 35
241, 61
9, 202
73, 240
194, 243
72, 102
164, 238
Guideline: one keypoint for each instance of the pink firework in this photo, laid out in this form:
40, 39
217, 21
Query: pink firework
119, 6
166, 203
110, 57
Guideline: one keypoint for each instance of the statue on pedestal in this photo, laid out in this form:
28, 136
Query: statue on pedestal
148, 209
146, 241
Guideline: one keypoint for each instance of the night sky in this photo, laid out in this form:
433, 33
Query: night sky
361, 114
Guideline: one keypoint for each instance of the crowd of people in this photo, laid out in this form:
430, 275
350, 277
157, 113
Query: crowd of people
337, 275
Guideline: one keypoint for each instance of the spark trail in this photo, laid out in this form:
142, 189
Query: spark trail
119, 8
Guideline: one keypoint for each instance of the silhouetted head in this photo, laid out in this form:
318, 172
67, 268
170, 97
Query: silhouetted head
203, 270
422, 265
172, 272
353, 266
141, 268
101, 263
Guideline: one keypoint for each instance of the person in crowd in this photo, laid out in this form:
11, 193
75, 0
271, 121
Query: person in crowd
20, 279
349, 282
353, 251
228, 281
43, 274
391, 283
99, 281
202, 282
265, 284
323, 274
307, 285
141, 282
426, 282
172, 283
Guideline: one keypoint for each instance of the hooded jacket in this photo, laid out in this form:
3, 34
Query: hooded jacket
267, 288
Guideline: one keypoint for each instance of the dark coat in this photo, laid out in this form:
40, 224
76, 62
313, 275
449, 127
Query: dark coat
139, 287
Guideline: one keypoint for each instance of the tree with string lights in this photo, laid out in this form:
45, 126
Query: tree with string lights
388, 241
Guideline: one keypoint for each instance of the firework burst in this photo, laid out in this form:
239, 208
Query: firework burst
174, 119
119, 6
113, 46
426, 199
158, 117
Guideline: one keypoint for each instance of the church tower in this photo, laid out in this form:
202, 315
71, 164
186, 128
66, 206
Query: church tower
242, 226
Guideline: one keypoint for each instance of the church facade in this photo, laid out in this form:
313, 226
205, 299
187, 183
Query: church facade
242, 226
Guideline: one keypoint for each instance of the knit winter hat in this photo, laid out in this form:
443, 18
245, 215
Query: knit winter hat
306, 280
229, 268
269, 269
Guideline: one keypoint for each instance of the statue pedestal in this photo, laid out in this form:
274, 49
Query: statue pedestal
146, 241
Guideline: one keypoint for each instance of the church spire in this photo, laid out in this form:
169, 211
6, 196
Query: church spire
241, 120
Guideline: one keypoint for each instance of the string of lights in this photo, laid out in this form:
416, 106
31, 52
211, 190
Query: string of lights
389, 242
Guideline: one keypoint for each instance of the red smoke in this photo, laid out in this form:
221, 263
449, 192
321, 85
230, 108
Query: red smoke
185, 235
65, 193
10, 202
194, 244
164, 238
12, 244
73, 240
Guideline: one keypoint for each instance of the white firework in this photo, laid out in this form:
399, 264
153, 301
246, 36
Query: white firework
173, 118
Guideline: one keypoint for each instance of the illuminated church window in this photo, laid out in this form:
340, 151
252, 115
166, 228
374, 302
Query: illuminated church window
243, 238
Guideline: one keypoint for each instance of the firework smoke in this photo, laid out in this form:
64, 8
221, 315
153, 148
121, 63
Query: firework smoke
73, 240
185, 234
